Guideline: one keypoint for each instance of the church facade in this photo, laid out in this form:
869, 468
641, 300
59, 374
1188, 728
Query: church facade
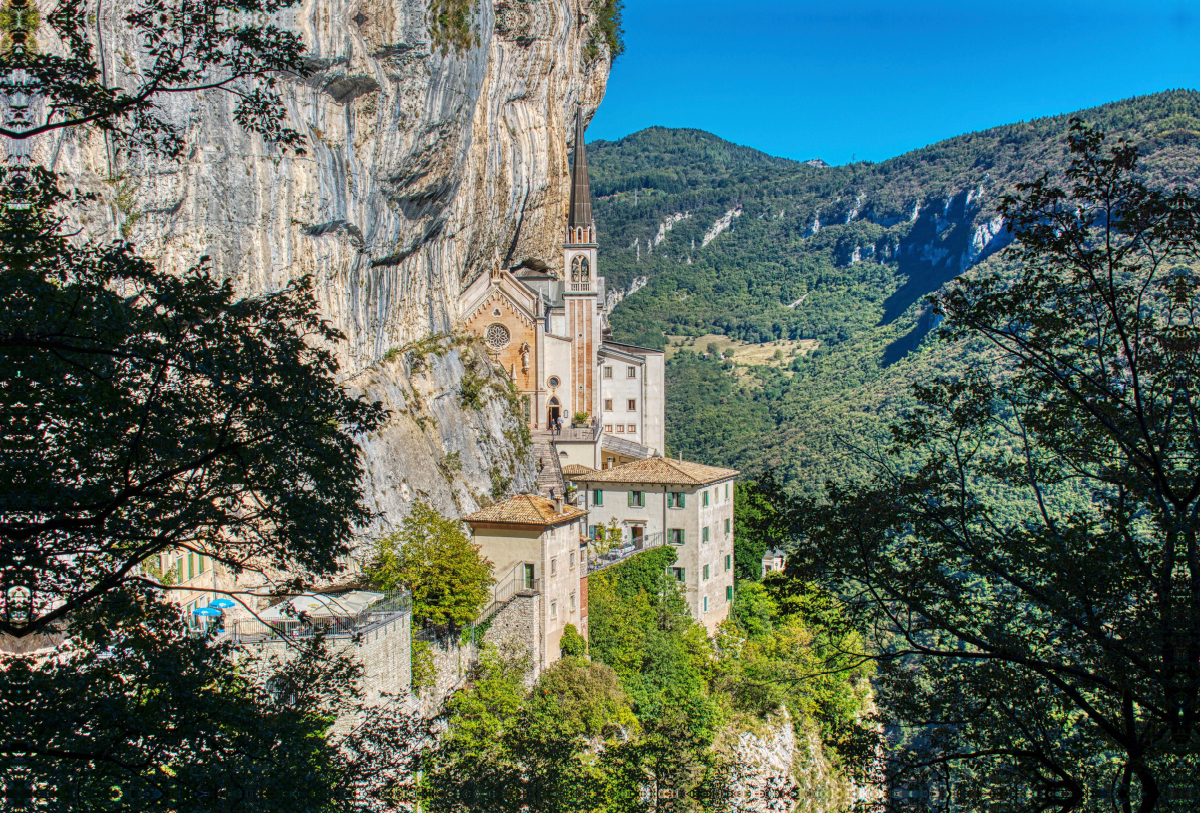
547, 328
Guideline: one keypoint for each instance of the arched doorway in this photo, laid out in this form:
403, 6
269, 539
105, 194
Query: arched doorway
554, 411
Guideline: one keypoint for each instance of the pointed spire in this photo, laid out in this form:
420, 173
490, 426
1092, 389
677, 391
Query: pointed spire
581, 191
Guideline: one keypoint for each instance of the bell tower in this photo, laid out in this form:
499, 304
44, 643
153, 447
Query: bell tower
581, 286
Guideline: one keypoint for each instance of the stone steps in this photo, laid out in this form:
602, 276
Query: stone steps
551, 474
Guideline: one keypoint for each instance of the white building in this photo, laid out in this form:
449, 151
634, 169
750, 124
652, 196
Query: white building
537, 546
690, 505
546, 327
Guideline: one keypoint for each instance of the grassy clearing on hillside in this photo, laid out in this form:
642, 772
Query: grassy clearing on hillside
744, 353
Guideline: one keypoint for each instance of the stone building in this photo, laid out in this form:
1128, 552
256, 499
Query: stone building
537, 547
546, 328
674, 502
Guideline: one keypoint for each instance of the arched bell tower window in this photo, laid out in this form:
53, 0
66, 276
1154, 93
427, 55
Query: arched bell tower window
580, 270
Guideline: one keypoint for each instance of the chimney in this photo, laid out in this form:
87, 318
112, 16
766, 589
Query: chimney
558, 505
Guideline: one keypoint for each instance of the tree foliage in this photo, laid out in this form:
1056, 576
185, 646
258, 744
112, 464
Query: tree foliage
1035, 574
430, 555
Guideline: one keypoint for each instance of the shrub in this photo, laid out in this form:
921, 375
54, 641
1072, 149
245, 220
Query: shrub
572, 644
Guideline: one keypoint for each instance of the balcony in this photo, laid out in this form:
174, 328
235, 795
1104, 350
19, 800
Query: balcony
382, 612
628, 550
580, 287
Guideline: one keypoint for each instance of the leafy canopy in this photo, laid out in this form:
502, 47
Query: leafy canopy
430, 555
1033, 574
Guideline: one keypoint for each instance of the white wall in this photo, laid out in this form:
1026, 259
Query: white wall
620, 389
694, 554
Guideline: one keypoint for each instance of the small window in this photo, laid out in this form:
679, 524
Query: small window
597, 497
637, 499
704, 500
675, 536
729, 592
608, 405
728, 561
706, 572
554, 609
706, 604
553, 565
727, 491
632, 428
572, 602
592, 531
675, 499
631, 372
621, 428
727, 527
608, 372
553, 382
608, 428
704, 534
572, 562
191, 565
678, 573
632, 405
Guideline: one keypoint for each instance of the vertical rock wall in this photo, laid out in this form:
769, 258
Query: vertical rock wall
425, 161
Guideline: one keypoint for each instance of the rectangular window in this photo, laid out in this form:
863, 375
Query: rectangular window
554, 609
728, 561
608, 428
632, 405
572, 602
678, 573
676, 499
631, 372
621, 428
706, 572
592, 531
706, 604
572, 561
597, 497
704, 499
608, 372
675, 536
191, 565
727, 527
704, 534
727, 491
179, 567
637, 499
553, 565
608, 405
729, 592
632, 428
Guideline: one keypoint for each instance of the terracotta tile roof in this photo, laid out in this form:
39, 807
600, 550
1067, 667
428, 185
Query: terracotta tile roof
575, 469
526, 509
660, 471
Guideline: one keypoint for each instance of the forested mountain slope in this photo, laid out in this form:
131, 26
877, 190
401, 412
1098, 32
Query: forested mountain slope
704, 237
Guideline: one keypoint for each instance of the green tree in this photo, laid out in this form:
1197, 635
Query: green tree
572, 644
432, 558
762, 522
1030, 556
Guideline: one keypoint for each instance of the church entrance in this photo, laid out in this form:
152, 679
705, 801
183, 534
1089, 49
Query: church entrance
554, 412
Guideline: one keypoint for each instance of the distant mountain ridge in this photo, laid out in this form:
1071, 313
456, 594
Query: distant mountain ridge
718, 238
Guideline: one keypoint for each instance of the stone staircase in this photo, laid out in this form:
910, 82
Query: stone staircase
551, 475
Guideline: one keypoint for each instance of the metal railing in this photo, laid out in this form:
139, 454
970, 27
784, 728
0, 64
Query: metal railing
629, 549
584, 433
506, 591
384, 611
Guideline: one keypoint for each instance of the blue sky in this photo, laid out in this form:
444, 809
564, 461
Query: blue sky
871, 79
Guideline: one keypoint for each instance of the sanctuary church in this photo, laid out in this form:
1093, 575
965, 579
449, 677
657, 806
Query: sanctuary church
547, 328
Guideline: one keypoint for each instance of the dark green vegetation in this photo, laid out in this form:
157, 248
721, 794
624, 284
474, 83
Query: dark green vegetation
431, 558
609, 30
149, 410
1028, 554
867, 314
665, 701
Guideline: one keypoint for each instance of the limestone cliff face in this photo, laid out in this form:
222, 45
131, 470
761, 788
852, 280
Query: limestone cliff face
425, 161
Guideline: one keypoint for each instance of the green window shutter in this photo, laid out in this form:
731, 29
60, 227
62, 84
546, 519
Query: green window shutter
682, 535
682, 499
631, 493
191, 565
598, 497
728, 593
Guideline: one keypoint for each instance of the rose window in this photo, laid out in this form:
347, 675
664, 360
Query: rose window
497, 336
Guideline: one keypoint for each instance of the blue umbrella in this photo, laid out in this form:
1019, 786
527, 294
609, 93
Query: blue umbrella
207, 612
223, 603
